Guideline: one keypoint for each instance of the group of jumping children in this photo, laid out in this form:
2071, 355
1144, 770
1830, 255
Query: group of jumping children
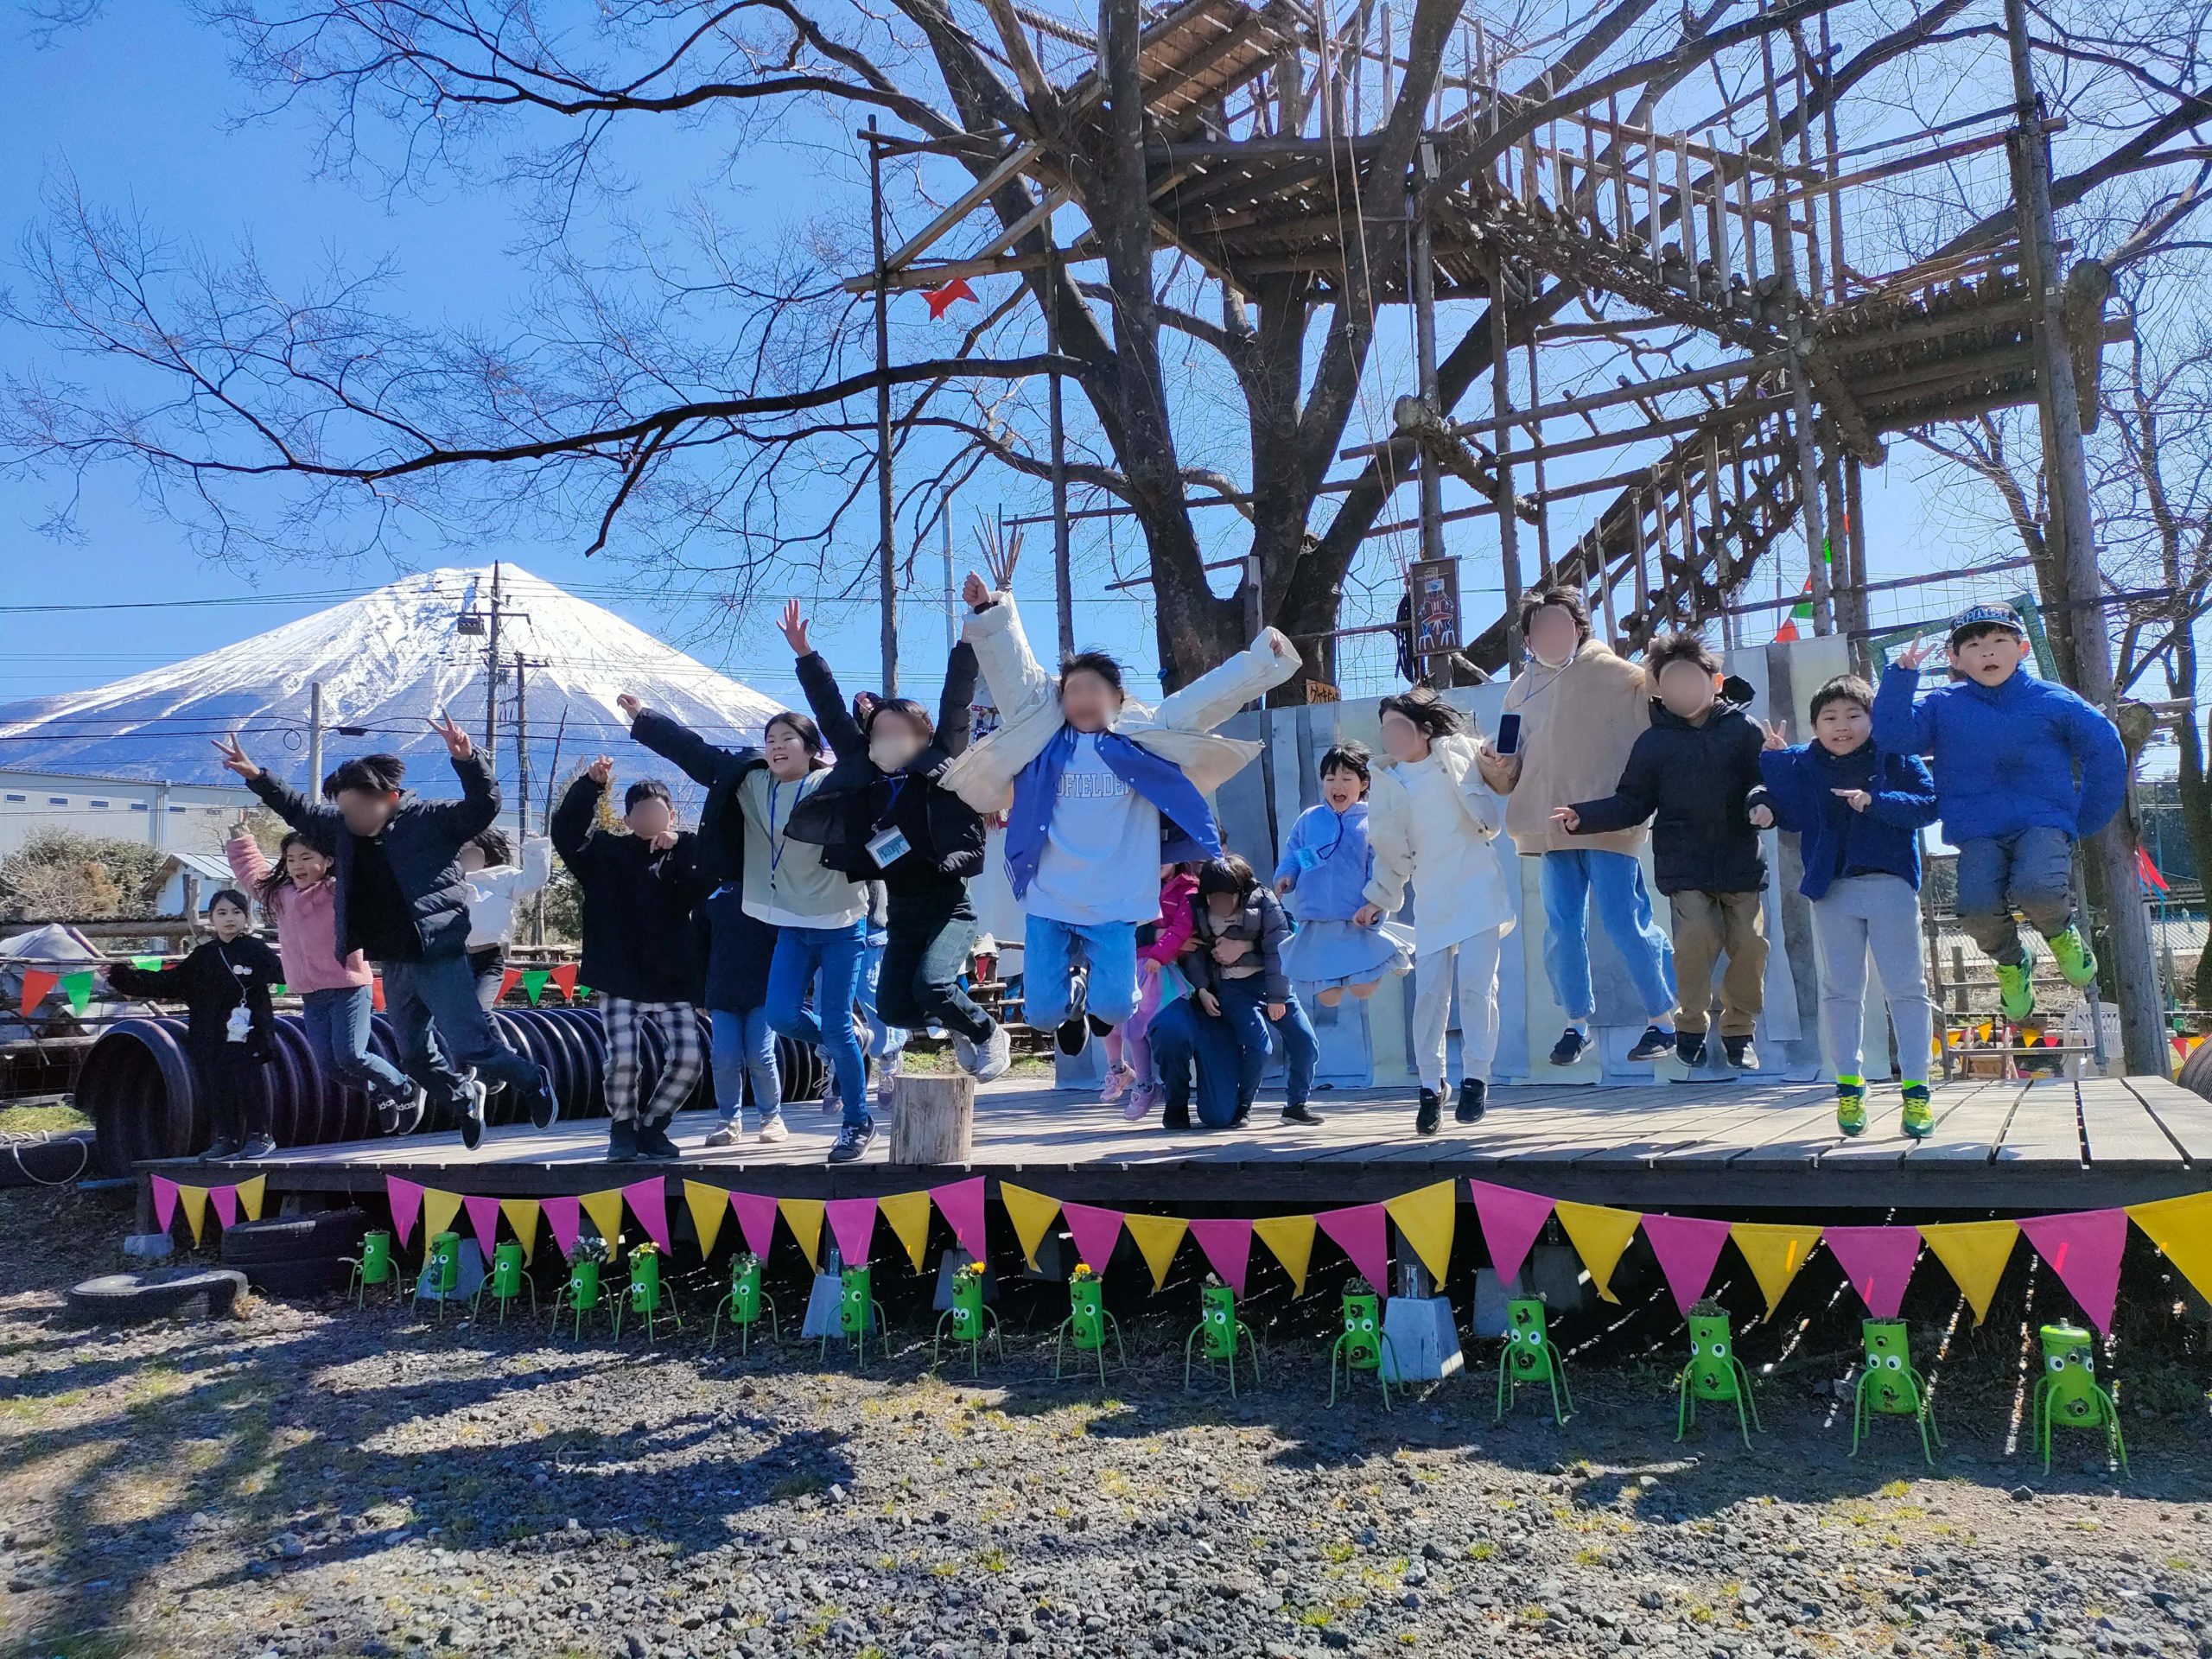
826, 901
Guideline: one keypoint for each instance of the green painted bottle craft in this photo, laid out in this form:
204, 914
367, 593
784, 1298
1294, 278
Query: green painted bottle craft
743, 1305
374, 1266
2068, 1394
969, 1318
1889, 1387
1714, 1373
1221, 1336
505, 1282
646, 1296
857, 1312
582, 1295
1361, 1345
1088, 1324
441, 1275
1530, 1357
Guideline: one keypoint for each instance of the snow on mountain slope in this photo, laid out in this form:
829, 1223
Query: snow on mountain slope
387, 661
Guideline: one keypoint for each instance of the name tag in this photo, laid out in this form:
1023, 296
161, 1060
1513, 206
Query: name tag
887, 846
1307, 859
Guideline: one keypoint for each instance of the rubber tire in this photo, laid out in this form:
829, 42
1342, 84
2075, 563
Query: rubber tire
2195, 1074
154, 1293
294, 1238
322, 1275
48, 1163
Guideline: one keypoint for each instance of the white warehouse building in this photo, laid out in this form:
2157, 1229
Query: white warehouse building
176, 817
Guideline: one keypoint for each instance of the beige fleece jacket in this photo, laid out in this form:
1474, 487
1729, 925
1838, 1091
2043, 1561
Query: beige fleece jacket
1578, 724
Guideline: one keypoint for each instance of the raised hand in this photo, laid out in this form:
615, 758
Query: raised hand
630, 706
793, 626
1776, 734
974, 594
601, 770
234, 757
1857, 799
1567, 818
1916, 653
456, 740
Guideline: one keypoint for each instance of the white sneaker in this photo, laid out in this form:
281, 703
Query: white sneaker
963, 1054
887, 1080
832, 1096
992, 1059
725, 1135
772, 1129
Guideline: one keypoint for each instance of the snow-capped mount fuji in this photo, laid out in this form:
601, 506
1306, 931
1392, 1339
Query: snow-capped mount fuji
386, 661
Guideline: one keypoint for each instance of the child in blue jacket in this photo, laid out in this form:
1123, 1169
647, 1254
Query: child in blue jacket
1327, 862
2006, 747
1858, 814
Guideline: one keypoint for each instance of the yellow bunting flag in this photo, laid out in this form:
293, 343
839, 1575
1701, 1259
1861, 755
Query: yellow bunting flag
708, 1205
908, 1214
2182, 1228
604, 1210
1600, 1233
1031, 1214
803, 1218
1425, 1217
438, 1210
1291, 1238
1774, 1251
250, 1197
1157, 1237
1975, 1252
194, 1200
522, 1216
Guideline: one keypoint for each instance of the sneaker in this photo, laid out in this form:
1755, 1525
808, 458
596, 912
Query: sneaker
1851, 1108
2016, 991
1118, 1080
1573, 1043
388, 1113
1740, 1052
471, 1114
725, 1135
853, 1140
2074, 958
1139, 1103
1689, 1047
1074, 1034
1657, 1040
412, 1111
995, 1056
653, 1141
963, 1054
1919, 1114
1474, 1101
1428, 1116
1305, 1114
772, 1129
543, 1107
256, 1147
832, 1096
1176, 1115
887, 1072
621, 1143
220, 1151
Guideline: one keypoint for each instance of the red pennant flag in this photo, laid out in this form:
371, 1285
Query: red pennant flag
508, 981
38, 985
376, 993
941, 298
2148, 871
565, 977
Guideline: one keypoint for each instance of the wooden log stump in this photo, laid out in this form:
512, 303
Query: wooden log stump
935, 1122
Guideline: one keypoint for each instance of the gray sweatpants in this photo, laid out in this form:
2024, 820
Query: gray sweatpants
1880, 913
2032, 872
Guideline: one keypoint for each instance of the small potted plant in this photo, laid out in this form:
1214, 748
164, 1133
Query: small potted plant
971, 1321
1220, 1334
581, 1293
1088, 1323
744, 1303
1362, 1345
1714, 1372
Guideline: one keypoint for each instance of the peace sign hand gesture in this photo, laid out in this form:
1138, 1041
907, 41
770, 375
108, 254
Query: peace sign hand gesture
456, 740
234, 757
1777, 734
1916, 653
793, 626
601, 769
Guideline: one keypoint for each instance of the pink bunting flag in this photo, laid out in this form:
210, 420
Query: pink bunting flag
1359, 1233
649, 1203
164, 1202
226, 1202
484, 1219
1879, 1262
961, 1203
852, 1224
1228, 1245
565, 1217
1686, 1249
1095, 1231
756, 1219
406, 1203
2084, 1249
1511, 1220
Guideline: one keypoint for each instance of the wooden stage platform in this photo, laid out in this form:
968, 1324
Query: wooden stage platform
1733, 1148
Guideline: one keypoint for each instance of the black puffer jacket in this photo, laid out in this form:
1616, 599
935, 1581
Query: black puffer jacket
850, 805
1698, 785
640, 939
421, 843
211, 981
1258, 923
719, 772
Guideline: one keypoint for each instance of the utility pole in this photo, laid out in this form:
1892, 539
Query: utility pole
886, 507
313, 791
952, 595
1063, 576
492, 674
523, 665
2134, 964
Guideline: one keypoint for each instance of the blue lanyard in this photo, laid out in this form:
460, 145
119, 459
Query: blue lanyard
775, 841
1330, 853
898, 782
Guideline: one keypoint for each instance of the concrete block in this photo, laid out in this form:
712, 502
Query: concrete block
822, 1306
148, 1247
1424, 1340
1492, 1293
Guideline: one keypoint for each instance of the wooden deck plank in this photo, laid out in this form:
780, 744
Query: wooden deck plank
1786, 1135
2119, 1128
2046, 1126
1972, 1132
1892, 1144
2183, 1114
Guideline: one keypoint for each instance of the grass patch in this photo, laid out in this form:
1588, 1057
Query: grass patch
42, 1117
1481, 1552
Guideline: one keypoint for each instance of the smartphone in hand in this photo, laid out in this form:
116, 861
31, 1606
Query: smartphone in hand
1509, 733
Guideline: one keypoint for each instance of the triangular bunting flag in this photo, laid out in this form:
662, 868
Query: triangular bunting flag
164, 1202
648, 1202
1095, 1232
1359, 1231
803, 1218
1774, 1251
522, 1216
78, 988
194, 1200
1228, 1245
1290, 1238
1879, 1262
533, 984
508, 981
250, 1196
604, 1210
756, 1219
1511, 1220
2182, 1228
1158, 1238
709, 1207
907, 1215
1031, 1214
439, 1208
1974, 1253
1425, 1219
226, 1202
38, 985
565, 977
406, 1203
147, 964
1686, 1249
565, 1217
961, 1203
484, 1222
852, 1224
376, 993
2083, 1249
1600, 1233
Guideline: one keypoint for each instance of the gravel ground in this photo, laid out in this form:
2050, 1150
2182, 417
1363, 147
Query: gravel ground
309, 1479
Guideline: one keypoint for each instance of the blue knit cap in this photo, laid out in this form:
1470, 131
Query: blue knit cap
1982, 616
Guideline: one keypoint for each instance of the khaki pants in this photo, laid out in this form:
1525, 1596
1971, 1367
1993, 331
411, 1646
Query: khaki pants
1707, 924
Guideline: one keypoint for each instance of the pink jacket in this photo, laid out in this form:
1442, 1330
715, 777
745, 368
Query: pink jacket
307, 923
1175, 919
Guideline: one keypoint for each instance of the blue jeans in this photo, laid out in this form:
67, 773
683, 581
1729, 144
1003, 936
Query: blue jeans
1570, 879
1048, 957
439, 1024
834, 953
745, 1046
337, 1024
884, 1041
1184, 1036
1244, 1006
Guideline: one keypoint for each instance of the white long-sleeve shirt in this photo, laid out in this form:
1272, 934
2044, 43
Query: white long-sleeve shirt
496, 890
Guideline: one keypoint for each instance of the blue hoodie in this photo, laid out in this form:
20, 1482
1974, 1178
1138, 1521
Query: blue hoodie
2005, 754
1335, 886
1833, 841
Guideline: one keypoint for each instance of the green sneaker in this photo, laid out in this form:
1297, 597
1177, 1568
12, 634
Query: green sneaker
1919, 1116
2074, 958
1851, 1107
2016, 991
